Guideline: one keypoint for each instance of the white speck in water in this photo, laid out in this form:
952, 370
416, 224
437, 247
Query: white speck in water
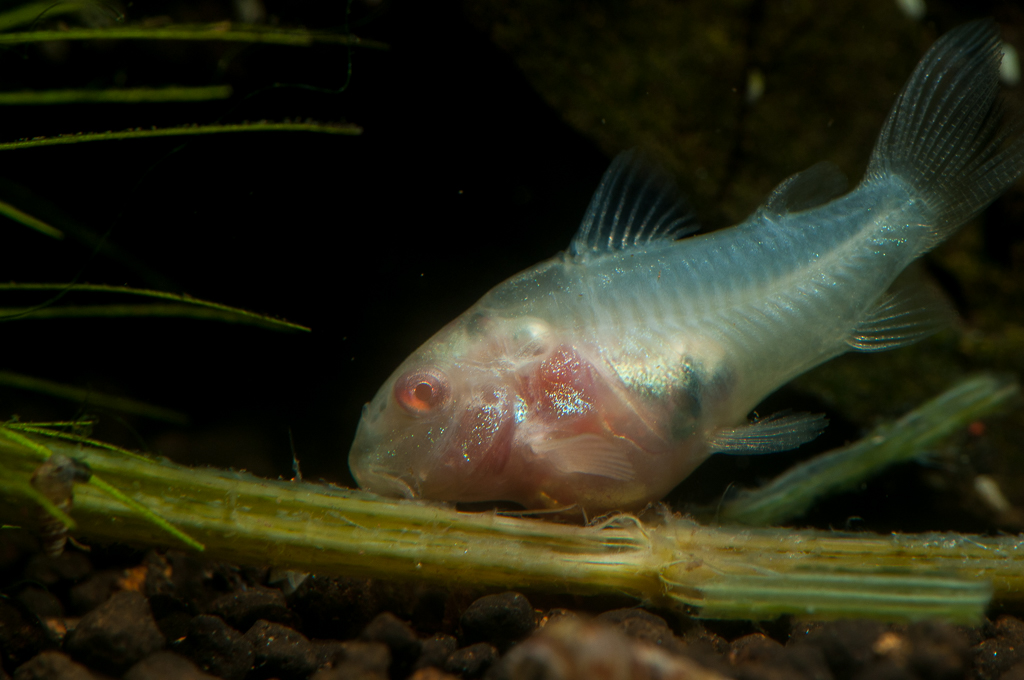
755, 85
988, 490
912, 9
1009, 67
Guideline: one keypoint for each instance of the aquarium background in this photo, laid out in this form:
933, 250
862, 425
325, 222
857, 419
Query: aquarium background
486, 126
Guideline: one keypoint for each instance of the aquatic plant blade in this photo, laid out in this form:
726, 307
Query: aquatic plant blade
32, 12
224, 31
148, 514
132, 95
8, 210
55, 430
89, 397
183, 306
184, 131
795, 491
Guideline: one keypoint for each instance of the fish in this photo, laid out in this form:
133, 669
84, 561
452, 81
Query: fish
601, 378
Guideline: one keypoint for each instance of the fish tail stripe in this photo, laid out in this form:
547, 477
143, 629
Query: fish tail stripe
946, 136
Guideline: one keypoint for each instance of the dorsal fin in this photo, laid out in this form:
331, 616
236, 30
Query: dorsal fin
635, 204
815, 186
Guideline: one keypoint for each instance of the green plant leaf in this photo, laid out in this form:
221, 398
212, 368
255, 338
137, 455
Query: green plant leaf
223, 31
184, 306
125, 95
185, 130
13, 213
91, 397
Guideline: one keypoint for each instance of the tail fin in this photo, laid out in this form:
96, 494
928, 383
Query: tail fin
945, 135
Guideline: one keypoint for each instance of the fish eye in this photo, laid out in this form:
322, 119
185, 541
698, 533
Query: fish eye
420, 392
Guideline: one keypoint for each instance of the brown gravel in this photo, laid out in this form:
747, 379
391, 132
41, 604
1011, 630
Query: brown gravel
168, 615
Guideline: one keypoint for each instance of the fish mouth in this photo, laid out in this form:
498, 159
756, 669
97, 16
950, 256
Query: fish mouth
384, 483
365, 463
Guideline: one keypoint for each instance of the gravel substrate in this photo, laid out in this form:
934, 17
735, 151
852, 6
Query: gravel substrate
117, 613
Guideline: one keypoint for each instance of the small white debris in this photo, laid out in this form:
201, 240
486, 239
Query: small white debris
912, 9
287, 579
755, 85
250, 11
988, 490
1009, 67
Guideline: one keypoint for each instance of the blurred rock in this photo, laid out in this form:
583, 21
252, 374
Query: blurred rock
116, 634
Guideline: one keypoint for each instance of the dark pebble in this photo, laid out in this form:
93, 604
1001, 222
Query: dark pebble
939, 651
398, 636
52, 666
164, 604
641, 624
189, 579
40, 602
172, 615
472, 661
847, 645
255, 575
1015, 673
805, 661
328, 653
346, 673
93, 591
559, 614
361, 661
159, 575
174, 626
21, 634
370, 656
798, 662
754, 648
335, 608
995, 656
501, 619
435, 650
166, 666
242, 609
69, 566
432, 673
887, 669
280, 652
115, 635
217, 648
430, 608
699, 642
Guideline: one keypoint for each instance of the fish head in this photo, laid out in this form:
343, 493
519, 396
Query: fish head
443, 425
495, 408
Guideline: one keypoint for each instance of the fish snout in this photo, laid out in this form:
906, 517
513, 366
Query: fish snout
375, 467
383, 483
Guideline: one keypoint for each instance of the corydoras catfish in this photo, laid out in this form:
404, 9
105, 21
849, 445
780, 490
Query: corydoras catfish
602, 377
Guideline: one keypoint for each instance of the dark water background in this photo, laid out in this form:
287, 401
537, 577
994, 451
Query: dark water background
486, 128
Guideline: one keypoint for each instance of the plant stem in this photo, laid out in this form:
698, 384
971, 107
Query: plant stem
713, 572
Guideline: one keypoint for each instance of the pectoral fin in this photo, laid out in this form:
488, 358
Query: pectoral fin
779, 432
588, 454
